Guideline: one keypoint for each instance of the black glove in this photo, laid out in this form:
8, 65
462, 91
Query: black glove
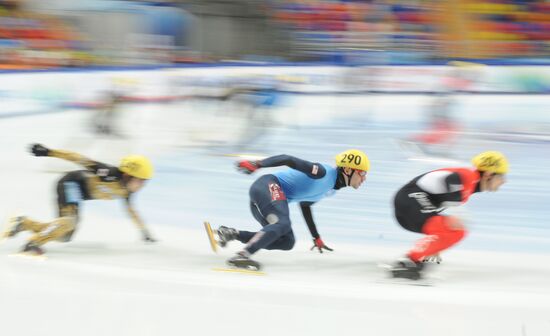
147, 237
39, 150
318, 243
247, 167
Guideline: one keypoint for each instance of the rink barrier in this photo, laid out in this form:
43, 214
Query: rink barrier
36, 93
495, 62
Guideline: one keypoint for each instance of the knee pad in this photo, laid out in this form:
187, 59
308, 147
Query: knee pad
272, 218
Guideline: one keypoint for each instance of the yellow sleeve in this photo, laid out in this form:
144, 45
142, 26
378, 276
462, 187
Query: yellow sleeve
134, 215
73, 157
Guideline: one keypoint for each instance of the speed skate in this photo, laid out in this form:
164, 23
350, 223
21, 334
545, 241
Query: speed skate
389, 278
235, 265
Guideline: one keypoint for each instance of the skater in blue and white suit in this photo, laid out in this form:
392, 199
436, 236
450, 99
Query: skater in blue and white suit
304, 182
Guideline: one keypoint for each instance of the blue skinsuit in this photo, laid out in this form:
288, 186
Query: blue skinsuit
270, 194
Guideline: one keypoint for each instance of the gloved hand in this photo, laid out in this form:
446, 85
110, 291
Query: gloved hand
247, 167
147, 237
318, 243
39, 150
433, 259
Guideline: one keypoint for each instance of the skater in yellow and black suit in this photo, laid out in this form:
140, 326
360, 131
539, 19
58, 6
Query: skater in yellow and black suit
97, 181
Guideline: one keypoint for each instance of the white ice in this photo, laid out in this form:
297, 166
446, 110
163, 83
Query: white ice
107, 282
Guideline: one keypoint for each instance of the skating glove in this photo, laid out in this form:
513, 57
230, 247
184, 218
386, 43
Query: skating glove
248, 167
147, 237
433, 259
39, 150
319, 244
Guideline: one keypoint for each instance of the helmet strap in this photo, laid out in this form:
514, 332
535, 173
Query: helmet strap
349, 176
125, 179
340, 179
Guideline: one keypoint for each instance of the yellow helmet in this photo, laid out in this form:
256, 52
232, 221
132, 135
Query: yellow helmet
353, 158
137, 166
492, 161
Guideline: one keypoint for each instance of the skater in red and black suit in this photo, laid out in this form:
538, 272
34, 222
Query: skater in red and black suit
418, 207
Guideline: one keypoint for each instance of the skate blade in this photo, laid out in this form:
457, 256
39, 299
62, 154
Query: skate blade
210, 233
238, 270
25, 255
424, 281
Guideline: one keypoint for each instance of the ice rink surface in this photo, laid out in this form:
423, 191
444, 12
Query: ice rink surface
107, 282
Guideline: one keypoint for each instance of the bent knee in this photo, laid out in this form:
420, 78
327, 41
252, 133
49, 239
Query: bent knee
455, 228
459, 234
289, 243
65, 224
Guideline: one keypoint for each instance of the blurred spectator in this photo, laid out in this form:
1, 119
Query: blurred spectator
339, 30
30, 40
503, 29
345, 31
416, 30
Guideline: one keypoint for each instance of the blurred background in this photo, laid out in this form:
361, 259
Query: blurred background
53, 33
416, 84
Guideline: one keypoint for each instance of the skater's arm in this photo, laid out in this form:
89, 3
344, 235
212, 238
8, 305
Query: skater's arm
102, 170
444, 186
308, 217
138, 222
454, 186
41, 150
311, 169
73, 157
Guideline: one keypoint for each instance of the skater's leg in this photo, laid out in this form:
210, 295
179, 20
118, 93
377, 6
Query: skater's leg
285, 242
69, 196
226, 234
28, 224
62, 228
267, 204
409, 215
442, 232
270, 208
21, 223
69, 211
56, 230
277, 234
245, 236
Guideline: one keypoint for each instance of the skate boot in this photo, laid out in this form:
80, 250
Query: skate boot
407, 269
242, 260
226, 235
13, 226
32, 249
